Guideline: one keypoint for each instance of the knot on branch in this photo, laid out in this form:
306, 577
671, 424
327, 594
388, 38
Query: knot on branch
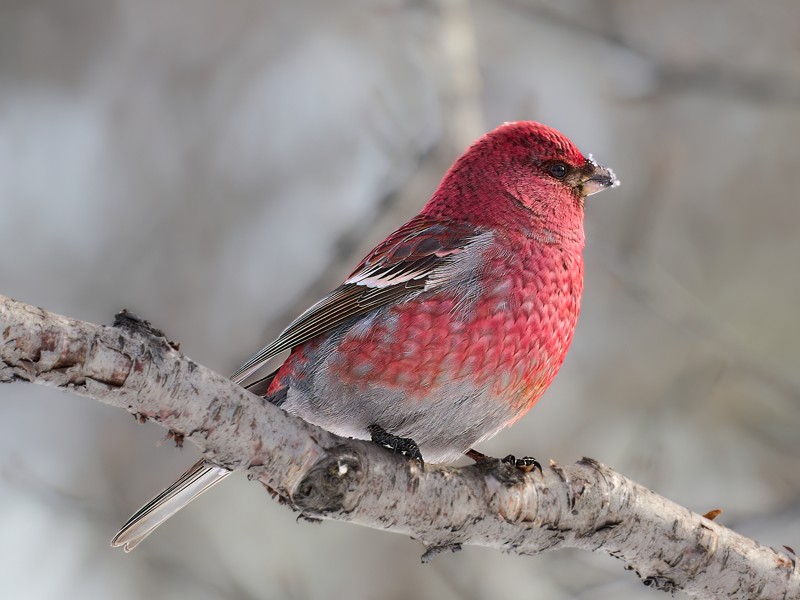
133, 323
661, 583
327, 486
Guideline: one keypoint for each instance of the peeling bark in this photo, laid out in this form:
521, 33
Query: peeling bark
585, 505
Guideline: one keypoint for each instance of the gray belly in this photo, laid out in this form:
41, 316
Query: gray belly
444, 422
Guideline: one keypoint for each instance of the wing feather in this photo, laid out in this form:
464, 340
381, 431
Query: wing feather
416, 257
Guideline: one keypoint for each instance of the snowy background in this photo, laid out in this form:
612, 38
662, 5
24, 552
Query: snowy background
216, 166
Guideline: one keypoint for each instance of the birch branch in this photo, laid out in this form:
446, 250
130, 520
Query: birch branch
585, 505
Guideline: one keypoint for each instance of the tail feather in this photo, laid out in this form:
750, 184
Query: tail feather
200, 477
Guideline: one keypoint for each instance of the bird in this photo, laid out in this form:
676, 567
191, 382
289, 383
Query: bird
447, 331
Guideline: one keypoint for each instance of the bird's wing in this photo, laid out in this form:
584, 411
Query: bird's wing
424, 254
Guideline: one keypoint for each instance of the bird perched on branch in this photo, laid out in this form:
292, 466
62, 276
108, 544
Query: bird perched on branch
451, 328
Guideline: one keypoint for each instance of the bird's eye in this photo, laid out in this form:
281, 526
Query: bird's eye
558, 170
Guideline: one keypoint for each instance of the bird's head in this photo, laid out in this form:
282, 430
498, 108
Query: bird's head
524, 174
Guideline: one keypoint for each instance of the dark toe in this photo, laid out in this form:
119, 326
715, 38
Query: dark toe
525, 464
396, 444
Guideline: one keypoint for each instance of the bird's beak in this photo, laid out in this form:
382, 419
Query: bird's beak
596, 178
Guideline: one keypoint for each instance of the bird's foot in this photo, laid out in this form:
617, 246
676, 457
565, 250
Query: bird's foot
525, 464
399, 445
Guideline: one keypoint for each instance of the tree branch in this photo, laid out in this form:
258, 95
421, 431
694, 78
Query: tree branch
585, 505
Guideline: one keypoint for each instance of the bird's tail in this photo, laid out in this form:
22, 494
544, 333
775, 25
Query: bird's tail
200, 477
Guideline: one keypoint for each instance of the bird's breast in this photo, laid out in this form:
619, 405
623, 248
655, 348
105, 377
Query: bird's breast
529, 312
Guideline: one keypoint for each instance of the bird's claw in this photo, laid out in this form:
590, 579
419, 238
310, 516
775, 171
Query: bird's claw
525, 464
396, 444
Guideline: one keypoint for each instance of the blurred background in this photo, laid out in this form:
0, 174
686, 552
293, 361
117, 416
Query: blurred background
216, 166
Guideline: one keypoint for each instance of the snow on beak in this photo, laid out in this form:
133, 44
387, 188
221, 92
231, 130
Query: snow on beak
596, 178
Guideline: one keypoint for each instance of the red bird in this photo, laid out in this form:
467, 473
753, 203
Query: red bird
450, 329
